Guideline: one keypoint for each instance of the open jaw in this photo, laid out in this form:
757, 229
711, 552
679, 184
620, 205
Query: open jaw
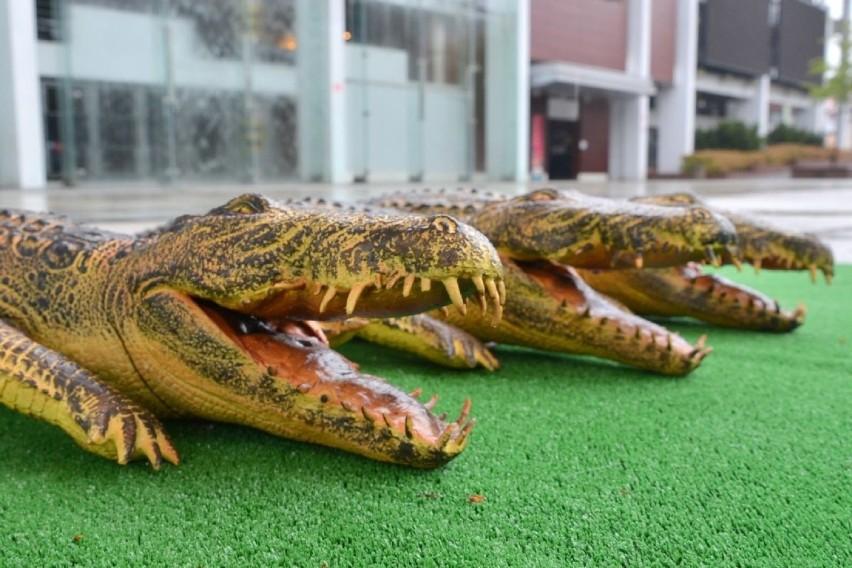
687, 291
311, 393
583, 231
550, 308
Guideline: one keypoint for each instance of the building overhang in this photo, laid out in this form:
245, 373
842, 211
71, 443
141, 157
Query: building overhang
559, 75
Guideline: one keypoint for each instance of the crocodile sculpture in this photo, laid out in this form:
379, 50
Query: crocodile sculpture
686, 290
103, 334
543, 236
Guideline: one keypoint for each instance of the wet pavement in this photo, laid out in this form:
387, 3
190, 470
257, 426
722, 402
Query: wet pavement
819, 206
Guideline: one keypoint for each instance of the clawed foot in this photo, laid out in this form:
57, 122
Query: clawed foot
122, 430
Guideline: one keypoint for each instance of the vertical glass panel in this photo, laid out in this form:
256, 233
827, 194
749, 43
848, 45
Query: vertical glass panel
411, 74
117, 123
173, 89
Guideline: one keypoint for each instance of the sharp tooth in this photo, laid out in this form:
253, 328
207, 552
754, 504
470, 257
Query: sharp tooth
377, 280
451, 429
828, 277
756, 263
711, 256
736, 262
452, 286
464, 412
409, 427
813, 270
393, 279
369, 415
493, 291
352, 299
329, 294
479, 283
425, 284
317, 289
432, 402
639, 261
466, 430
406, 287
501, 287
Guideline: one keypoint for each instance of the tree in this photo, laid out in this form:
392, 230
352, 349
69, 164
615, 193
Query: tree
837, 79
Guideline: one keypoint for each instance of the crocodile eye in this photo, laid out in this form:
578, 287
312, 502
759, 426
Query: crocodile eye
541, 195
445, 224
701, 214
324, 398
248, 204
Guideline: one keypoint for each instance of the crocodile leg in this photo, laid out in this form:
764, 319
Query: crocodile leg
432, 339
42, 383
686, 291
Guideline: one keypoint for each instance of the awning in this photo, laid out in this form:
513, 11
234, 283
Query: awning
556, 74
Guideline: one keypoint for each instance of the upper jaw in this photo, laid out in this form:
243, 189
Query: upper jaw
592, 232
382, 296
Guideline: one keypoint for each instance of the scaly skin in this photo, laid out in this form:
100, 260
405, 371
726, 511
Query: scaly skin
548, 306
99, 332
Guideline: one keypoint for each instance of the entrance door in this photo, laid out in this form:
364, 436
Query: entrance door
562, 139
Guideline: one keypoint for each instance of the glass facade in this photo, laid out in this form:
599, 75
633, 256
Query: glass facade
210, 90
415, 77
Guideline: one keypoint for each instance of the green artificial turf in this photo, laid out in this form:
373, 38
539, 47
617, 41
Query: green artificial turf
748, 462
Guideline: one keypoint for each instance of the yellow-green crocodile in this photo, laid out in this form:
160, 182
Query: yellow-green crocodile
100, 333
545, 235
686, 290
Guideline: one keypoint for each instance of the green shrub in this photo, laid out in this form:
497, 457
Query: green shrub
783, 134
728, 135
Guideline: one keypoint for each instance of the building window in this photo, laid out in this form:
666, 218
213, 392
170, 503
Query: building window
48, 23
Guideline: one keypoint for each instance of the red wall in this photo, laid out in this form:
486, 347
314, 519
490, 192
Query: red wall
663, 28
587, 32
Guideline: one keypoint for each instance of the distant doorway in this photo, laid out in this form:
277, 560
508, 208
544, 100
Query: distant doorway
562, 137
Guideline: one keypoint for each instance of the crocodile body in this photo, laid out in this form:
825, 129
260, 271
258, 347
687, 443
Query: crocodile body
103, 334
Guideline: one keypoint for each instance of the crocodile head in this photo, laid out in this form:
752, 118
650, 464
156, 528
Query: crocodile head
224, 297
306, 262
583, 231
762, 244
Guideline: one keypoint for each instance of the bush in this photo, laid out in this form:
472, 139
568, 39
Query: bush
783, 134
717, 163
728, 135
